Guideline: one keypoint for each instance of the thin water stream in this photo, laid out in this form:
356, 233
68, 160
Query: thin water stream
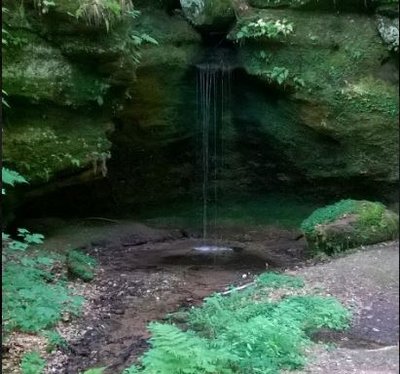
213, 95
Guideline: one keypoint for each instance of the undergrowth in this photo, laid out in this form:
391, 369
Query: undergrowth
34, 285
32, 363
245, 332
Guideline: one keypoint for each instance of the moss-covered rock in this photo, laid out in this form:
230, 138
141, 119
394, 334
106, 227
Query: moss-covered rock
47, 141
35, 70
65, 81
348, 224
330, 5
209, 14
341, 112
80, 265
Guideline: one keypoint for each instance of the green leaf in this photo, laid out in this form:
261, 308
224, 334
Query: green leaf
11, 177
147, 38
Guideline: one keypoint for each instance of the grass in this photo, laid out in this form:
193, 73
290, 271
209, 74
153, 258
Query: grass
244, 332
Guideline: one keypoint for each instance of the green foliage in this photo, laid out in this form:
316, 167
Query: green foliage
81, 265
32, 363
32, 299
105, 12
278, 75
11, 178
54, 340
27, 237
175, 351
4, 93
275, 280
371, 215
44, 6
245, 332
261, 28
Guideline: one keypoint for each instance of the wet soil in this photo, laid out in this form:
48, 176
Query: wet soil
146, 273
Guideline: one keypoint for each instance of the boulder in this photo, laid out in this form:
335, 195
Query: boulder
209, 14
349, 224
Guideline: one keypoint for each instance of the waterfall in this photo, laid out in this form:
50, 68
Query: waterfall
213, 88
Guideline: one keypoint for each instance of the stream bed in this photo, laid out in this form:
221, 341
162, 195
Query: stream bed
146, 273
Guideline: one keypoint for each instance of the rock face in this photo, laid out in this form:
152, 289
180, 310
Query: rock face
348, 224
64, 81
318, 106
339, 118
209, 14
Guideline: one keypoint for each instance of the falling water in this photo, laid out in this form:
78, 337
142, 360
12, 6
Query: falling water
213, 84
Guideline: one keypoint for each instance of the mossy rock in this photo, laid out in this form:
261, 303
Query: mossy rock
209, 14
325, 5
80, 265
349, 224
347, 109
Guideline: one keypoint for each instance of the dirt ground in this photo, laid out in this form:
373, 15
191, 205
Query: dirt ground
368, 283
146, 273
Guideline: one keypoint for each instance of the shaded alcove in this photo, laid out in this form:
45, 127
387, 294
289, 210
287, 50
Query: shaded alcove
156, 163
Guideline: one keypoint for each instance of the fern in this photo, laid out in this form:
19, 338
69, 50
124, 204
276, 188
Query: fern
32, 363
11, 178
54, 340
175, 351
30, 302
243, 333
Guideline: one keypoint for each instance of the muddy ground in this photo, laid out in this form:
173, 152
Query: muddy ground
146, 273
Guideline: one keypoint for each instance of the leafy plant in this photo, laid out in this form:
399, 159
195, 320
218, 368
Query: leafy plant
105, 12
278, 75
54, 340
31, 302
275, 280
28, 239
245, 332
175, 351
32, 363
11, 178
261, 28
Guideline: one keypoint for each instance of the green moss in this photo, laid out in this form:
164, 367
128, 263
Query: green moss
57, 140
332, 5
348, 224
328, 214
80, 265
344, 98
210, 14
